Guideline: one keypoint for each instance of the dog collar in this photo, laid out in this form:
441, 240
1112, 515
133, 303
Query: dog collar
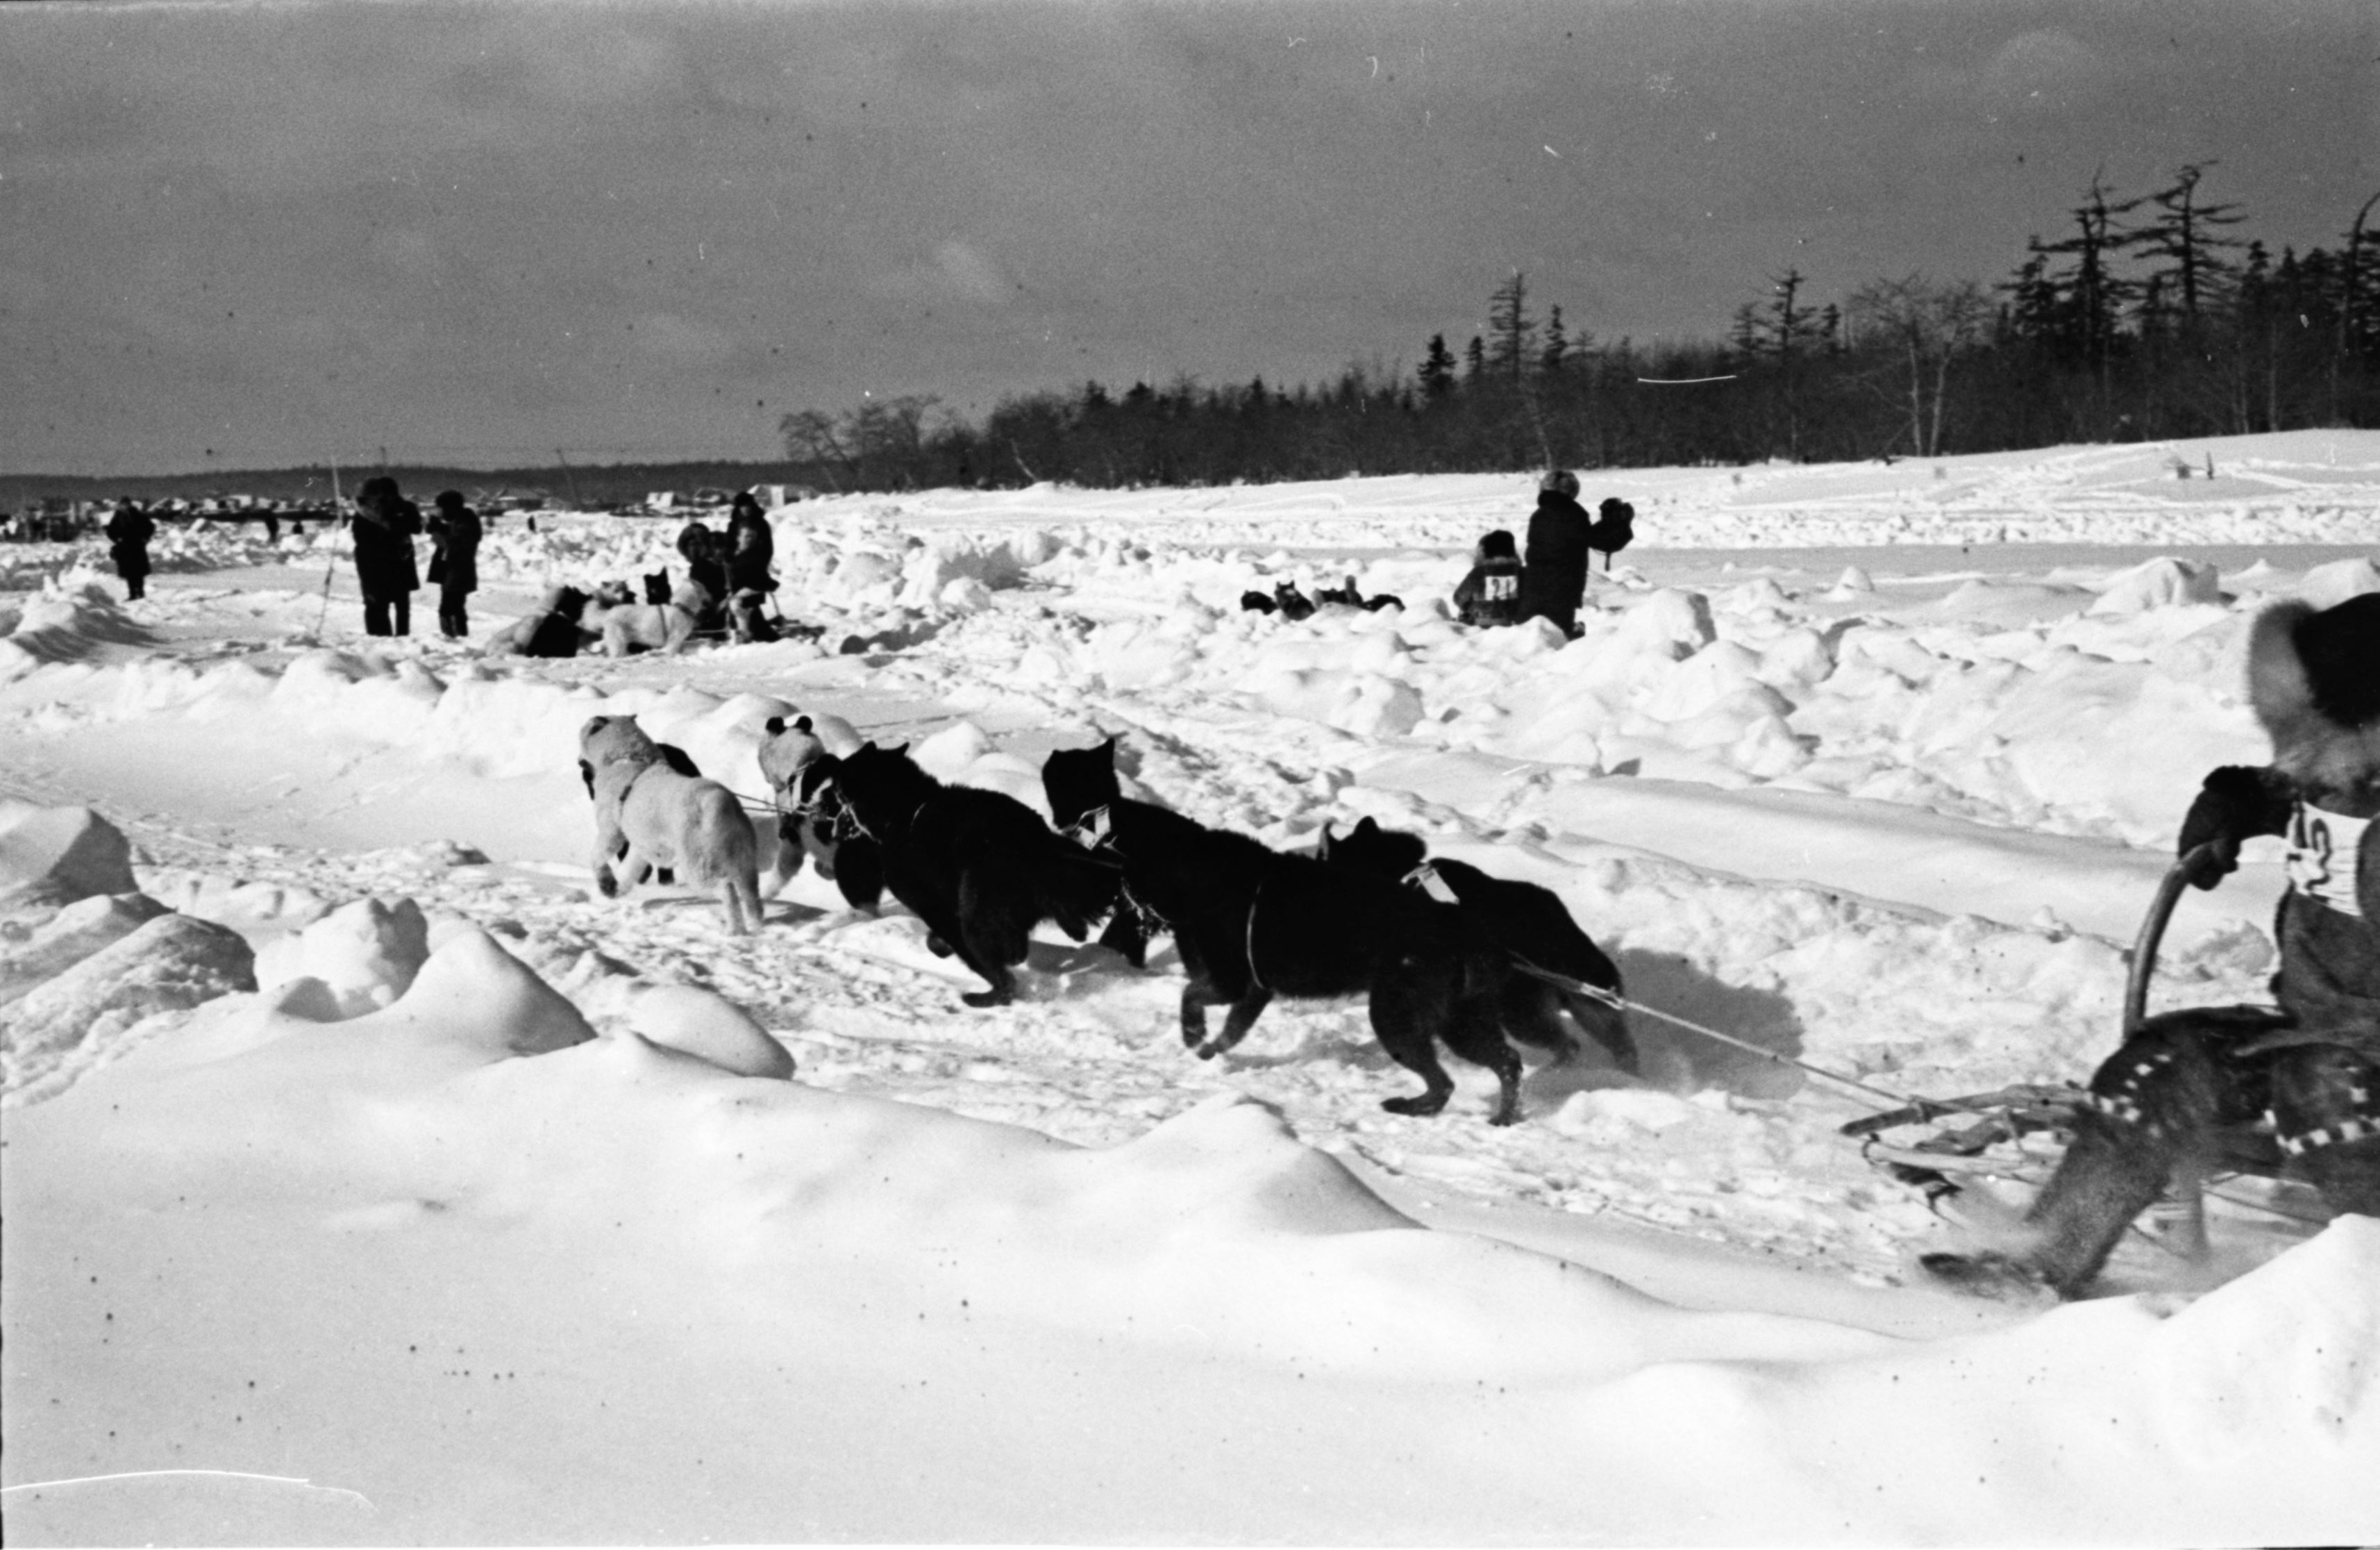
1426, 879
1092, 829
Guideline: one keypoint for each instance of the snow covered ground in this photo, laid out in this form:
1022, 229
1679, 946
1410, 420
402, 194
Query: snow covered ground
489, 1218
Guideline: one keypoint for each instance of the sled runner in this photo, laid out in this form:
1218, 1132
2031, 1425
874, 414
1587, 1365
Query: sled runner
2017, 1134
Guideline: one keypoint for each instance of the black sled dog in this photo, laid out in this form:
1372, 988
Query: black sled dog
980, 868
1252, 923
1526, 921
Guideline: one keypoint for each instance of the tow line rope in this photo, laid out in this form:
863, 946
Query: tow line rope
1426, 878
1613, 998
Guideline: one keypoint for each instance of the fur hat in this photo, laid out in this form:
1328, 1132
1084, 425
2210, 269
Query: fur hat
448, 500
1498, 546
1561, 482
2314, 678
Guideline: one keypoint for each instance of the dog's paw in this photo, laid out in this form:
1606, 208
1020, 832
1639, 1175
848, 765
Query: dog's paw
607, 885
1421, 1106
987, 998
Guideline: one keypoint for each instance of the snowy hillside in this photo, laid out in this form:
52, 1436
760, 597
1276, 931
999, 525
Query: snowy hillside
491, 1216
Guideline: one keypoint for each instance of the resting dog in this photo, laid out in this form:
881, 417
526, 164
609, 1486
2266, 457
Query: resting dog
980, 868
1252, 923
1526, 921
1347, 596
811, 819
624, 625
649, 815
552, 630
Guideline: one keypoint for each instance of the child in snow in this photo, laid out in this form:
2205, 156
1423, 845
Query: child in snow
2312, 1067
1491, 595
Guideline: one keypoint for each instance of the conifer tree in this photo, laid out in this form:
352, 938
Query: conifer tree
1510, 329
1437, 368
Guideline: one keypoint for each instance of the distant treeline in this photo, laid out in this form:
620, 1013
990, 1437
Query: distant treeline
2149, 320
594, 487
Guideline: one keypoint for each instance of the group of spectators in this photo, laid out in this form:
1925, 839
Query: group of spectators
1549, 581
732, 568
386, 524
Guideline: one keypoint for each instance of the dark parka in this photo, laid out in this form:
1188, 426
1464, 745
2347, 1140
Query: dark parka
749, 558
2314, 679
1560, 533
128, 532
1491, 595
384, 525
455, 564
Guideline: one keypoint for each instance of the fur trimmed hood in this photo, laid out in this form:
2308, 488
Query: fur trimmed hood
2314, 678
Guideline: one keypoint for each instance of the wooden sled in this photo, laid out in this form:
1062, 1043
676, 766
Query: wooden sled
2017, 1134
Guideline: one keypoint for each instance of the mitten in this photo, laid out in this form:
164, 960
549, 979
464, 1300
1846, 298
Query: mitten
2233, 803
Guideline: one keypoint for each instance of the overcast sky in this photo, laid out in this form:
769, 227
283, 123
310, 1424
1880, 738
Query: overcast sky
254, 235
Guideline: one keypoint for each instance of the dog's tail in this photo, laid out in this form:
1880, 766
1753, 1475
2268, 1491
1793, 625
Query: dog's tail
1074, 886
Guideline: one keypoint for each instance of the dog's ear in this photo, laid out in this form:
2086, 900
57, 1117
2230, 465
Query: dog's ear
1365, 826
1323, 846
774, 726
587, 774
1107, 750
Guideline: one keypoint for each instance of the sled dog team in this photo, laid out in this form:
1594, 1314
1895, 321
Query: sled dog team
1449, 955
1444, 953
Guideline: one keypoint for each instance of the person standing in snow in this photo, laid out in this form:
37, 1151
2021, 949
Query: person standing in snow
128, 532
2313, 1067
1491, 595
454, 566
384, 525
1560, 533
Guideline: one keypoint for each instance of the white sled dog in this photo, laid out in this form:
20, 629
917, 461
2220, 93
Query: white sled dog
784, 753
693, 826
627, 626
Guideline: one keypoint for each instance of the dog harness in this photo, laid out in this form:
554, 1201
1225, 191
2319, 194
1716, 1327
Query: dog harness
826, 805
1254, 978
1095, 832
2324, 849
1426, 879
